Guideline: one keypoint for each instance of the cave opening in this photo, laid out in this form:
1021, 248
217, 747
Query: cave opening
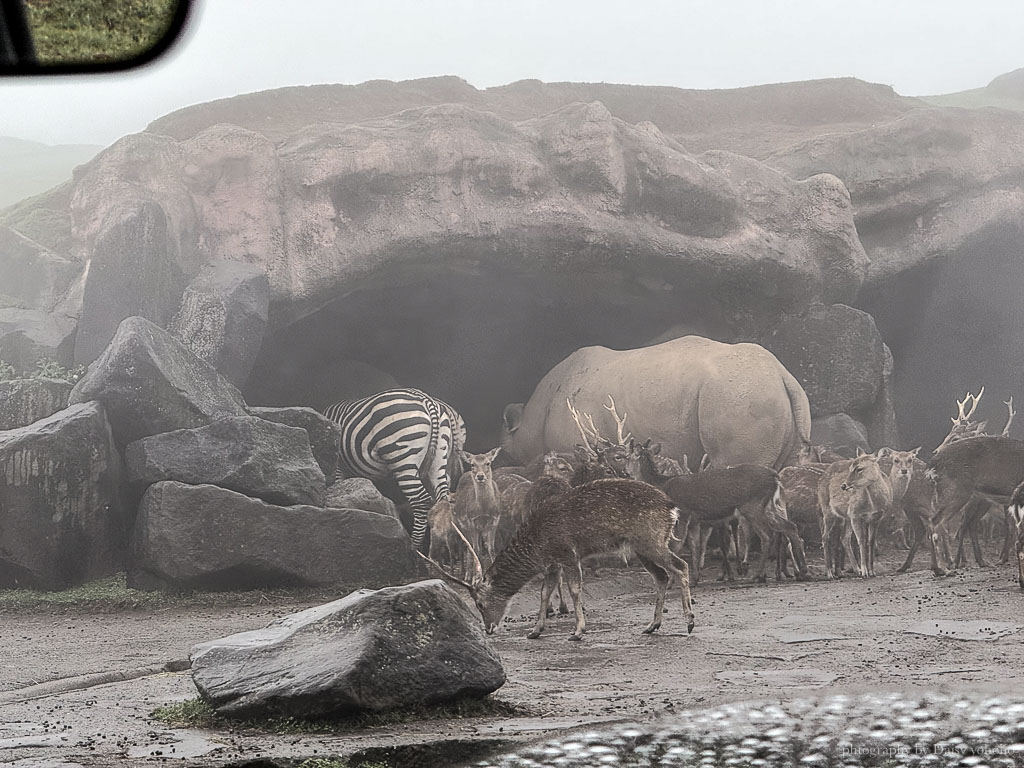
478, 336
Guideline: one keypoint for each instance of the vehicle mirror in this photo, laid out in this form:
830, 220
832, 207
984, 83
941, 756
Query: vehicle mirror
59, 37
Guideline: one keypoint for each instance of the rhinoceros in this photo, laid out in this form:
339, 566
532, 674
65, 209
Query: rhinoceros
735, 402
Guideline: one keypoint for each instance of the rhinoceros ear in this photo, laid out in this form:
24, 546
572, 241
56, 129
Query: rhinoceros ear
512, 416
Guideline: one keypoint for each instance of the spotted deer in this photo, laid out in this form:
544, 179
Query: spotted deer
569, 524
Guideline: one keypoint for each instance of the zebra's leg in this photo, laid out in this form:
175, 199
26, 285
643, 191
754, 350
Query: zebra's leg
420, 500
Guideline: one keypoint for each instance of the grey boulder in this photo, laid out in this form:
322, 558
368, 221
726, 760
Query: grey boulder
62, 521
150, 383
324, 436
370, 651
24, 401
223, 315
253, 456
359, 493
205, 537
30, 335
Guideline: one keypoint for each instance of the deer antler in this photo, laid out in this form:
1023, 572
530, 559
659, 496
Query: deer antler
1009, 419
619, 422
579, 423
964, 417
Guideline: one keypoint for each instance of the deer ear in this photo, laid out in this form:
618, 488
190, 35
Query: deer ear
884, 453
465, 457
656, 449
493, 453
914, 452
860, 452
512, 416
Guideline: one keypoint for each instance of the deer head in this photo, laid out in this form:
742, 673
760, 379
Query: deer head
864, 471
478, 465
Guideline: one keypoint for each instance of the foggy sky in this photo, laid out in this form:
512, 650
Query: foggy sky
237, 46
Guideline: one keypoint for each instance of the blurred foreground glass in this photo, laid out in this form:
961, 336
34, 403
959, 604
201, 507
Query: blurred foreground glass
64, 36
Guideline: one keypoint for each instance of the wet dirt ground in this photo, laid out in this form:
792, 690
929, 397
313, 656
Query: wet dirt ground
896, 633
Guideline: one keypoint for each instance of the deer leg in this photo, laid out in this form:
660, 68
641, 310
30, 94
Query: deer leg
1020, 557
726, 537
1004, 555
574, 580
675, 564
661, 583
952, 498
795, 549
860, 532
551, 577
975, 523
827, 530
743, 531
917, 532
935, 539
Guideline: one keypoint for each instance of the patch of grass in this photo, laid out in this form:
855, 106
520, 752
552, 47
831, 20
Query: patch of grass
112, 594
196, 713
95, 31
46, 368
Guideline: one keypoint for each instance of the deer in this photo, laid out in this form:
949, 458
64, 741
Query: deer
854, 493
1016, 511
569, 524
747, 492
985, 468
800, 483
446, 538
477, 502
972, 513
648, 464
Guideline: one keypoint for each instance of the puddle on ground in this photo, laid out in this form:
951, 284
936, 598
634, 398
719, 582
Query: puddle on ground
40, 740
177, 744
808, 677
963, 630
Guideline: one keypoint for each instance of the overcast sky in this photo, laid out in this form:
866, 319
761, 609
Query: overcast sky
237, 46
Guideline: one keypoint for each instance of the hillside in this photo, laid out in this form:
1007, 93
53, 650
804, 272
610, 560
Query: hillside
29, 167
1005, 92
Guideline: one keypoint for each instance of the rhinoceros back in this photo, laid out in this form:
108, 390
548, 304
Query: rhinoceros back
753, 410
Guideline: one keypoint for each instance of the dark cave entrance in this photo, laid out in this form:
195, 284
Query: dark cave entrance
477, 336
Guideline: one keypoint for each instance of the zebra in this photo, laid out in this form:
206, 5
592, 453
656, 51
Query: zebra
405, 434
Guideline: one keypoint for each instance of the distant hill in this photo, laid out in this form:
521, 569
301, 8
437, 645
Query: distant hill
28, 167
1006, 92
754, 121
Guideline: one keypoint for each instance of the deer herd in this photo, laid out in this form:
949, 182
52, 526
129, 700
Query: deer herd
505, 526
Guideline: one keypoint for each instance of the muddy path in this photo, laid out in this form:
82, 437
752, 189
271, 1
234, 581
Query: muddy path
897, 632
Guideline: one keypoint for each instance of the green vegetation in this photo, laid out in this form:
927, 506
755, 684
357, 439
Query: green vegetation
46, 368
113, 594
195, 713
96, 31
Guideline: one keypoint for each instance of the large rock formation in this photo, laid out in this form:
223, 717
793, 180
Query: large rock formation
62, 521
511, 226
939, 206
205, 537
150, 384
368, 652
223, 315
23, 401
253, 456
